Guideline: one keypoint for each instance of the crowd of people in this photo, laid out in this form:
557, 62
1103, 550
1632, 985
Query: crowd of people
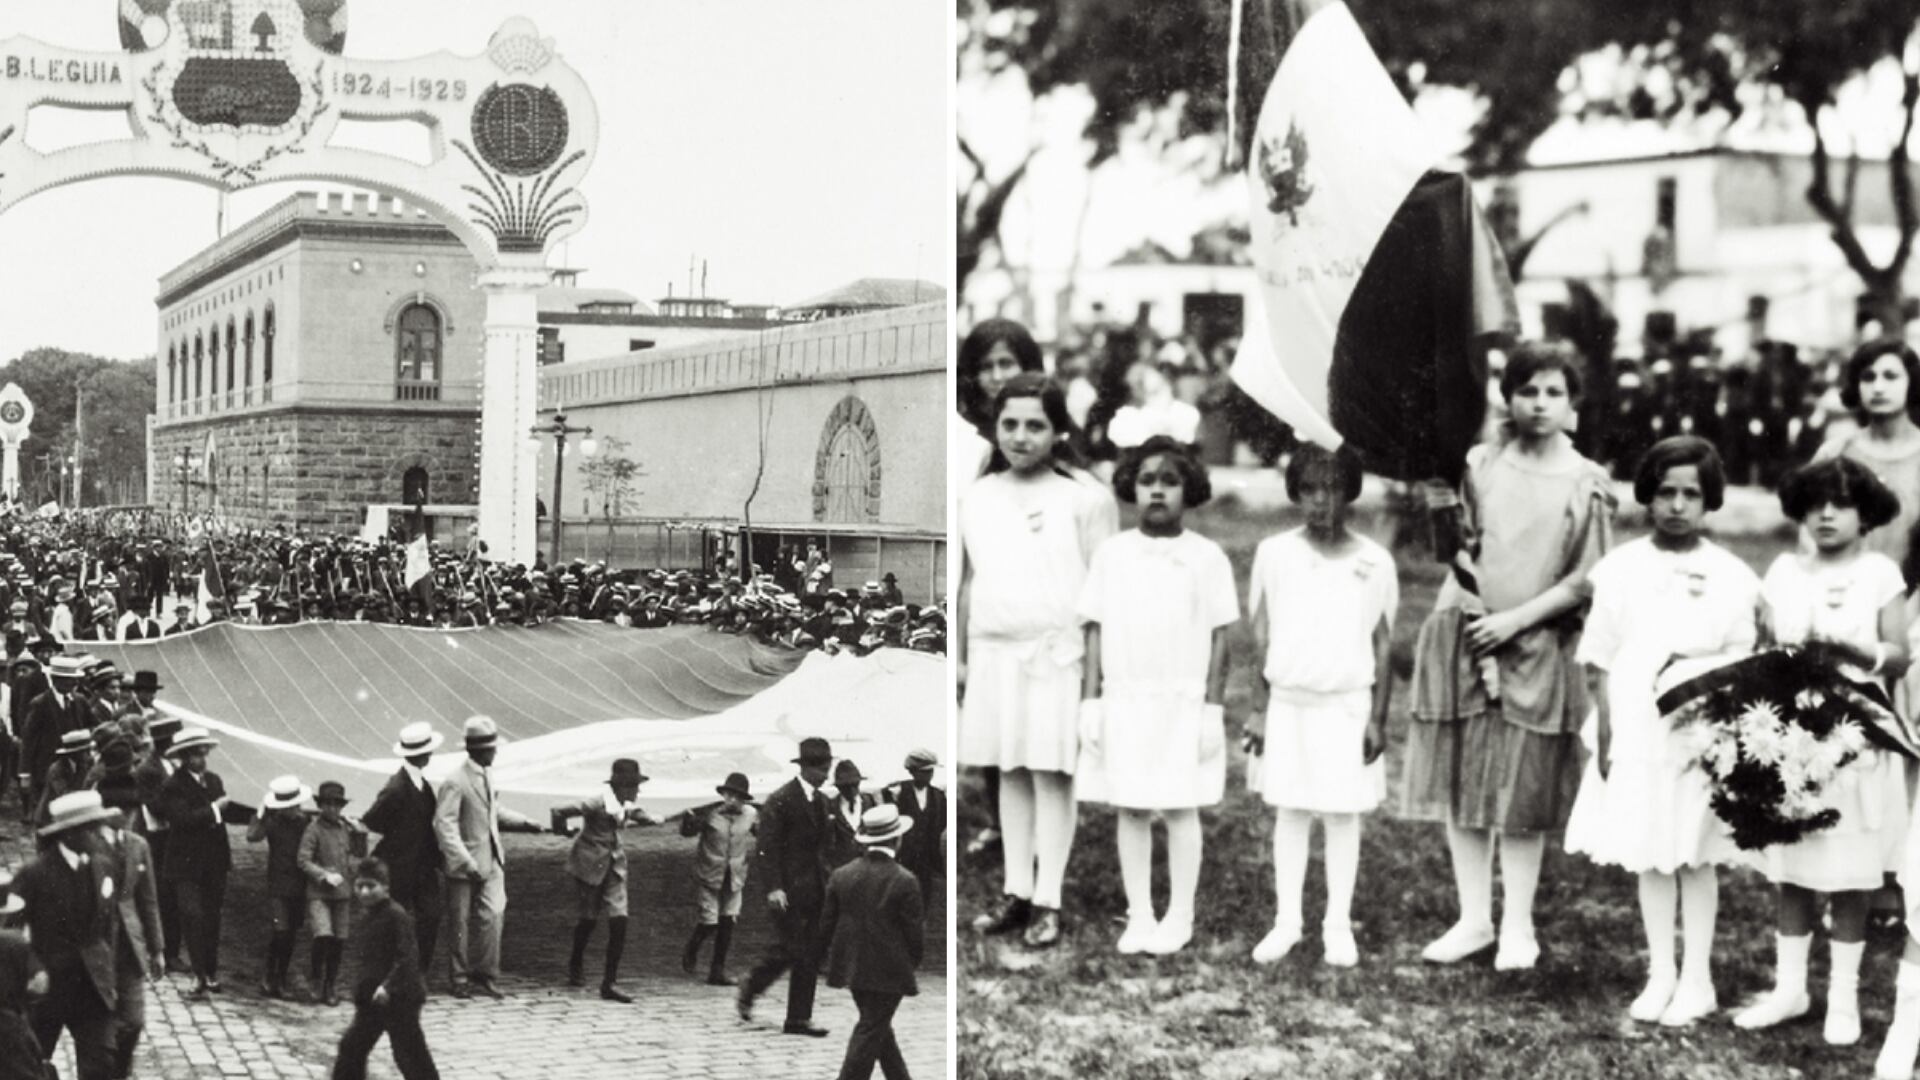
120, 576
1765, 412
1092, 669
134, 859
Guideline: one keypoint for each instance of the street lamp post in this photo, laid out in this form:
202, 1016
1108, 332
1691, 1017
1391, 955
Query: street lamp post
559, 430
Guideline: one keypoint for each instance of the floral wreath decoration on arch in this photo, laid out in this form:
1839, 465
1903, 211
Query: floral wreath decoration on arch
235, 93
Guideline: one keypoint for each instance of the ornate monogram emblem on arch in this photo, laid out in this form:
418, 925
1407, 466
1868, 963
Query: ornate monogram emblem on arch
846, 468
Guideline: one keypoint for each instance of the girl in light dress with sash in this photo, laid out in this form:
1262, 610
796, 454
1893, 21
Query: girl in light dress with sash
1028, 530
1852, 599
1158, 601
1322, 600
1666, 607
1500, 758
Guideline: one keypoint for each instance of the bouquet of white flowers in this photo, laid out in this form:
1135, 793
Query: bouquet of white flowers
1773, 731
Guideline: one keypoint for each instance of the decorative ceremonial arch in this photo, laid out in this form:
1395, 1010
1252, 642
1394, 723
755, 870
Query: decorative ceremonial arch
234, 93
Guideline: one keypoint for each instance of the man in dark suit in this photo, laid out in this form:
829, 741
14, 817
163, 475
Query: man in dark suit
54, 713
73, 921
193, 803
848, 803
873, 920
403, 816
794, 831
921, 851
151, 775
141, 939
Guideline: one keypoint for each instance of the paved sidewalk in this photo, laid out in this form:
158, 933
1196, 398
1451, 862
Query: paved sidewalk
677, 1027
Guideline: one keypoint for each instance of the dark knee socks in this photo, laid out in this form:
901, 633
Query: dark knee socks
616, 947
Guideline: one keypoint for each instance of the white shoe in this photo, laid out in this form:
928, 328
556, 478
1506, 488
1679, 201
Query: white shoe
1843, 1024
1652, 1003
1517, 953
1692, 1002
1171, 936
1276, 945
1896, 1059
1773, 1008
1458, 943
1138, 935
1341, 950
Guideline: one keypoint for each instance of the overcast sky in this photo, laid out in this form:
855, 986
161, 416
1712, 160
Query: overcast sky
793, 146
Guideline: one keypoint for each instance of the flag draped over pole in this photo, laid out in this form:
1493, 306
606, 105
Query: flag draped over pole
1379, 279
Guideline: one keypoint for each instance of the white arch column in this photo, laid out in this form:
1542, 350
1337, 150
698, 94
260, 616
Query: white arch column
508, 459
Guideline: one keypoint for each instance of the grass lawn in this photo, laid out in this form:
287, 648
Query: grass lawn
1083, 1010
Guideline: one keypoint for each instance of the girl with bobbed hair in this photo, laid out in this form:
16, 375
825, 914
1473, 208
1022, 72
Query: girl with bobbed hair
1666, 607
1028, 530
1852, 599
1497, 697
1158, 600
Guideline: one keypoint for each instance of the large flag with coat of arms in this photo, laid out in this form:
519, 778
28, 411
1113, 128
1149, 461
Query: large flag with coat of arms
1379, 280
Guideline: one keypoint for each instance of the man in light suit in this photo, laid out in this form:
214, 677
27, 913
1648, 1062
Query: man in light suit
794, 832
598, 866
404, 814
468, 823
873, 921
73, 921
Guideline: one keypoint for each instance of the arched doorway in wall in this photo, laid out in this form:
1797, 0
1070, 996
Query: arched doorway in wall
846, 472
413, 486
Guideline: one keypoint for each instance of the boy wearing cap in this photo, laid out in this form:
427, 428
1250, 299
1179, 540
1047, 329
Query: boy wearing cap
282, 822
794, 831
598, 865
873, 922
326, 860
192, 803
921, 851
388, 989
403, 815
73, 924
726, 830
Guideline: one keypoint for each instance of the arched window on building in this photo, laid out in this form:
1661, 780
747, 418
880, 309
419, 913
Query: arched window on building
266, 356
246, 367
199, 368
417, 354
170, 356
233, 341
413, 486
213, 367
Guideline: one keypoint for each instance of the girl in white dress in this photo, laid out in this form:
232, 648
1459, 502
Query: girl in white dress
1665, 607
1852, 599
1027, 532
1158, 601
1321, 601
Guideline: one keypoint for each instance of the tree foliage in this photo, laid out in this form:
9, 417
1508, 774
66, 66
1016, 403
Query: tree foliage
610, 475
118, 398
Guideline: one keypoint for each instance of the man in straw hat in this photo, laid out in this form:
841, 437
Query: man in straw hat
794, 831
921, 852
20, 976
403, 815
873, 923
193, 803
282, 822
52, 714
598, 865
468, 822
726, 831
73, 922
68, 772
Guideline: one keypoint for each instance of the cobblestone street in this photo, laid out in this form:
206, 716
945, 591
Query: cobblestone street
677, 1026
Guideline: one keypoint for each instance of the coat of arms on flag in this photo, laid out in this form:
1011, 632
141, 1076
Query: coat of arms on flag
1283, 164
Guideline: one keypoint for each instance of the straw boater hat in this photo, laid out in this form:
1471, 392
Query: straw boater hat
9, 903
285, 792
481, 732
66, 667
78, 741
73, 810
192, 738
737, 784
416, 739
882, 823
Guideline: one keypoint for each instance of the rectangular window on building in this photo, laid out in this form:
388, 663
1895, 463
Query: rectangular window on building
1666, 203
638, 344
552, 349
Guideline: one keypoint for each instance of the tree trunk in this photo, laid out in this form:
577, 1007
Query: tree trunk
1886, 302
